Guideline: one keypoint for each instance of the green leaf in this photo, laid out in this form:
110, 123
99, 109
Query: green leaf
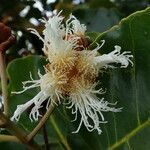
18, 71
131, 86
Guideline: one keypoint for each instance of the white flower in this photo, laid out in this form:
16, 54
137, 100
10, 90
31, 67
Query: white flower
72, 73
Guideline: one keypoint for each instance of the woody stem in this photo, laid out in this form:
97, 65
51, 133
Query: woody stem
17, 132
4, 82
10, 138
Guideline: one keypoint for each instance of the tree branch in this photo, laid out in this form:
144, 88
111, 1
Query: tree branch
20, 134
10, 138
4, 83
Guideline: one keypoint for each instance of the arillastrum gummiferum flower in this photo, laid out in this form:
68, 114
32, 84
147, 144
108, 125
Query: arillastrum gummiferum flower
72, 73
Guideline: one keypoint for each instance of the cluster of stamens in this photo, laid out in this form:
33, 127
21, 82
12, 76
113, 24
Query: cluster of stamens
72, 69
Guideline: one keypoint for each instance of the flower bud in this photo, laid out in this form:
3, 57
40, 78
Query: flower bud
6, 37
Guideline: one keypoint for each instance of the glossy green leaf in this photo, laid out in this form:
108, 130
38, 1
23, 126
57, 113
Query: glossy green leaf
131, 86
19, 70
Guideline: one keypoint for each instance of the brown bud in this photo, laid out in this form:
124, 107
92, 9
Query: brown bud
82, 42
6, 38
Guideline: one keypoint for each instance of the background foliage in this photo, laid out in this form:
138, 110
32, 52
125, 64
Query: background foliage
128, 130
